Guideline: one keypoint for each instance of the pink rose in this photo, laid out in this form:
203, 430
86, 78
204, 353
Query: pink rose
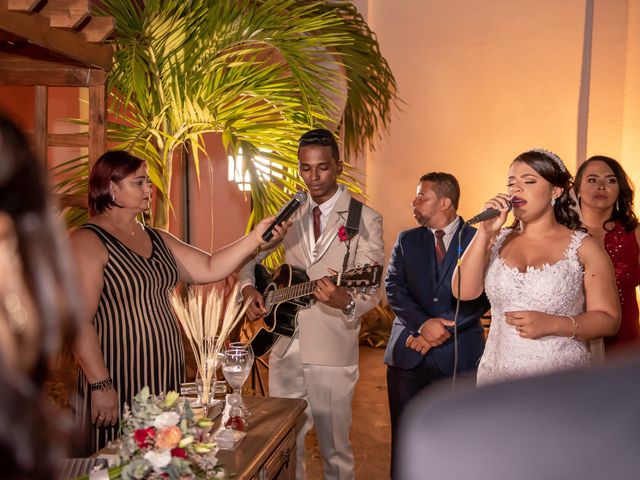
169, 437
342, 234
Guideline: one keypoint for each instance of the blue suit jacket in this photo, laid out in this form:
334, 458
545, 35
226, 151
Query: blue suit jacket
416, 291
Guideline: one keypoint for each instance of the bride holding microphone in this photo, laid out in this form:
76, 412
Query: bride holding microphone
551, 286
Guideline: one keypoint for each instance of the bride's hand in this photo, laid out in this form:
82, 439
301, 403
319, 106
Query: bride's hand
530, 324
501, 202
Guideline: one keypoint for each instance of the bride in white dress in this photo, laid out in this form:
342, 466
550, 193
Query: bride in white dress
551, 286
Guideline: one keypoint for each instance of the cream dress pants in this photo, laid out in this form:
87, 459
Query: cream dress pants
329, 393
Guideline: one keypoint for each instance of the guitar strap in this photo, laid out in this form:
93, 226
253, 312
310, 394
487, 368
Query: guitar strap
352, 227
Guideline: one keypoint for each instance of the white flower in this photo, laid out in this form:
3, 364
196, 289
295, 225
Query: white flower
158, 458
166, 419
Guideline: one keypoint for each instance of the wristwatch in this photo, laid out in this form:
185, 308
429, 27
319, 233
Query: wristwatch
351, 306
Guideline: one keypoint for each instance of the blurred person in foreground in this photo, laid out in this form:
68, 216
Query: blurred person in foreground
573, 425
130, 337
37, 312
605, 194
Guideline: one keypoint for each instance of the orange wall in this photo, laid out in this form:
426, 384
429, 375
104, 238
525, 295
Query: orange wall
485, 80
219, 211
63, 104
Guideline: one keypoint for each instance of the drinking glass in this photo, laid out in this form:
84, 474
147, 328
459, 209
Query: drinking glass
207, 370
236, 366
244, 346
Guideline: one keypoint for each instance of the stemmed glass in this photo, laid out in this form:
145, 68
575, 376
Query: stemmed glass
236, 366
245, 346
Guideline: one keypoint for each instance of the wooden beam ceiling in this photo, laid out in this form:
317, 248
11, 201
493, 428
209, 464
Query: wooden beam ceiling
42, 25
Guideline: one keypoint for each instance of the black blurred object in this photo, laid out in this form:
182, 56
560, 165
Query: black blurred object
578, 424
295, 203
488, 214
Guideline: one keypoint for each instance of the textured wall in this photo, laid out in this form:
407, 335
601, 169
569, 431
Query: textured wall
486, 80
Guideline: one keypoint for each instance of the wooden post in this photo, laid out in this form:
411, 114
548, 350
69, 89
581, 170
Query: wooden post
97, 122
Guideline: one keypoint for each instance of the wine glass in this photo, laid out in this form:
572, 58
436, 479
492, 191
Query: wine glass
246, 412
236, 366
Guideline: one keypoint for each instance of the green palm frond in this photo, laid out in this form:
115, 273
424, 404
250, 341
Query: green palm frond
259, 73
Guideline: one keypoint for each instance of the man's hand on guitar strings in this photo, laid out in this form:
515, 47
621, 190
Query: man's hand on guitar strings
330, 294
256, 309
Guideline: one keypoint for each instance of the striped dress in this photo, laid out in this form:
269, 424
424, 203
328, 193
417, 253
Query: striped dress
139, 334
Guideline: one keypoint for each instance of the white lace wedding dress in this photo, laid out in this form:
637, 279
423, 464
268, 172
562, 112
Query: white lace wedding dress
556, 289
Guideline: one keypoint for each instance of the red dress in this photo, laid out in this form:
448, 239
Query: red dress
623, 249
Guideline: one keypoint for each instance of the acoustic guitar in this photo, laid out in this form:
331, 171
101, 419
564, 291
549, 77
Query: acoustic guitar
288, 290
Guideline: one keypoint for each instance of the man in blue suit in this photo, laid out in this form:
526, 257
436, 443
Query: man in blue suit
418, 284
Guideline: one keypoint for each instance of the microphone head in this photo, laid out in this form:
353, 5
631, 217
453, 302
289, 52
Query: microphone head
300, 196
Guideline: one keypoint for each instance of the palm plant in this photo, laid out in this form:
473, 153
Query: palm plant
258, 72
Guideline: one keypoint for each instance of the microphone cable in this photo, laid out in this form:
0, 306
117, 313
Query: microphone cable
455, 316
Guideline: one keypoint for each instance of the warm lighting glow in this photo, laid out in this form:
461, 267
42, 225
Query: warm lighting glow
239, 173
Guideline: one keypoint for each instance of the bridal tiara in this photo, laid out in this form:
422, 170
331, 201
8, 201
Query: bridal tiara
549, 154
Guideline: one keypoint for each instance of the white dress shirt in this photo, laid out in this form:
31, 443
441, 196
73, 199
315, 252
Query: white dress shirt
449, 231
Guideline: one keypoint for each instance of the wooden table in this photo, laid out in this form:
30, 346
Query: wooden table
269, 449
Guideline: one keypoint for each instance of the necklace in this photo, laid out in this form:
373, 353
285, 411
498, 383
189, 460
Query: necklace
126, 232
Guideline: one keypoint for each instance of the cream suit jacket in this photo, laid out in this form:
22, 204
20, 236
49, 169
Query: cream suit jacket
328, 336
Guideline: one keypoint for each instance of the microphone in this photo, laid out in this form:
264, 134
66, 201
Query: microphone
298, 199
488, 214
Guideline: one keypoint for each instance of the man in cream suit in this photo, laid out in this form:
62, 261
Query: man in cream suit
320, 363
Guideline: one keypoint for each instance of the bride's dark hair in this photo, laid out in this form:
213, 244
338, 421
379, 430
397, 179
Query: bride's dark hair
550, 167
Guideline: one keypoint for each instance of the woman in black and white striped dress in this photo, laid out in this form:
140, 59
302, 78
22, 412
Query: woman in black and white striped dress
131, 337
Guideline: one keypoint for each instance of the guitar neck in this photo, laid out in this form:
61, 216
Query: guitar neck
296, 291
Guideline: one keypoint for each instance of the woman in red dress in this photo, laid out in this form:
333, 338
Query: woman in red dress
606, 201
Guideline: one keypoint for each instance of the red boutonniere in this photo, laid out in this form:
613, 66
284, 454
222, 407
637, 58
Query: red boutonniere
342, 234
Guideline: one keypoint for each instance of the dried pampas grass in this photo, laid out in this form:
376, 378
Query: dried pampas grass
207, 320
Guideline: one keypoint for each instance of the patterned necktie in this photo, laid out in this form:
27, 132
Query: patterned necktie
440, 248
316, 222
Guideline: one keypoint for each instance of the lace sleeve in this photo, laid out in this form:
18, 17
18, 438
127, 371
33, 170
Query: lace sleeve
497, 242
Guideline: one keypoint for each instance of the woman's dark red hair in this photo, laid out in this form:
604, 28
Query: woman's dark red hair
112, 166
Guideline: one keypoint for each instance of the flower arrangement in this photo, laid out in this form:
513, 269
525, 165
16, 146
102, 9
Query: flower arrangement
162, 439
207, 324
343, 236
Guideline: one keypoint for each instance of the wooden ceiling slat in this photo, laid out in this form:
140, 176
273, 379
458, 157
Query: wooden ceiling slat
98, 29
22, 5
66, 13
37, 30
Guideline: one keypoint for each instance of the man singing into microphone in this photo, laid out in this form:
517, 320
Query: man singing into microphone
418, 285
320, 363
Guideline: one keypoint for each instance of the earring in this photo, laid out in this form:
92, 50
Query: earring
113, 198
553, 201
617, 206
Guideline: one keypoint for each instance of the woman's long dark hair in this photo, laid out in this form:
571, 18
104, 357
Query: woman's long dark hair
550, 167
29, 446
623, 208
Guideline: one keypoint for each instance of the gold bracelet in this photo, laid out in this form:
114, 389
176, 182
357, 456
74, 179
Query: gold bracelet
575, 326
